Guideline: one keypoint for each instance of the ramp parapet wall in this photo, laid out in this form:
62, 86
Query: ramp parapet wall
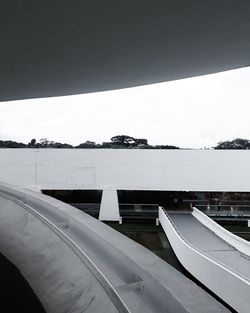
226, 284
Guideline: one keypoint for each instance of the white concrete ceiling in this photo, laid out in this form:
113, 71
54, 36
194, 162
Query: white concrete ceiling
51, 48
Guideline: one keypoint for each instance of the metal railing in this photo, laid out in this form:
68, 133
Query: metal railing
225, 210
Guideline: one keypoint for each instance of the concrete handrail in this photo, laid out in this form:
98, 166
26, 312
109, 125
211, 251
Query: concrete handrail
238, 243
229, 286
41, 228
57, 226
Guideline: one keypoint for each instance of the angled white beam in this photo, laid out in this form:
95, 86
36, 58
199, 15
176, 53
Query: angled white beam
109, 210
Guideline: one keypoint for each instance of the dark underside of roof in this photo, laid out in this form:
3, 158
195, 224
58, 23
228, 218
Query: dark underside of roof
60, 47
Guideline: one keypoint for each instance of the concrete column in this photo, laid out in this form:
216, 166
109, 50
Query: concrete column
109, 210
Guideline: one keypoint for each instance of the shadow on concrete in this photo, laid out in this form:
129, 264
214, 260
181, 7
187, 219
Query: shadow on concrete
16, 294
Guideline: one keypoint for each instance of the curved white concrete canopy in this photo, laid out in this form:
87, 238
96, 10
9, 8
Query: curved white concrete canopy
52, 48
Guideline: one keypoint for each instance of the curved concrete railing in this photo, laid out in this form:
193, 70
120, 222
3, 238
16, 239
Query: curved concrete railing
229, 286
45, 256
238, 243
75, 263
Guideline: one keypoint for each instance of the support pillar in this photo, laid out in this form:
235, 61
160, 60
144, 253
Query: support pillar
109, 210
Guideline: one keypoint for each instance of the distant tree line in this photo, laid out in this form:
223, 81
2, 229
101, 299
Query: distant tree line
118, 142
236, 144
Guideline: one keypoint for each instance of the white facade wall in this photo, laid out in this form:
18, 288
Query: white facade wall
184, 170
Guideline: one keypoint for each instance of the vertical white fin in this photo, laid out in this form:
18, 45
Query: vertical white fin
109, 210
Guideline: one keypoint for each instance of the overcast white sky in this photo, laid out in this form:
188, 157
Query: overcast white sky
195, 113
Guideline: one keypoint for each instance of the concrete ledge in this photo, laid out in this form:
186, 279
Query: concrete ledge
62, 282
142, 281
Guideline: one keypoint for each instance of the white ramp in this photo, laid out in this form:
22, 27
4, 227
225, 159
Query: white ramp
210, 258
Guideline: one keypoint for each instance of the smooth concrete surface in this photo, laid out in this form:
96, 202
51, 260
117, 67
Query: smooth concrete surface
207, 241
238, 243
62, 282
59, 47
75, 263
218, 265
126, 169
